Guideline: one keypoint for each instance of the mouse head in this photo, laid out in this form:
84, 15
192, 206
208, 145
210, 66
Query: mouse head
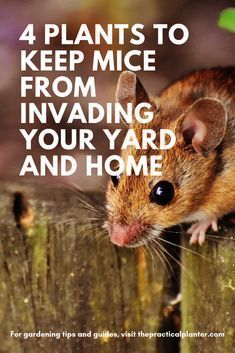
141, 207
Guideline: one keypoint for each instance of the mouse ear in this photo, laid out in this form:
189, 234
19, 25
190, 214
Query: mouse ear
130, 90
204, 124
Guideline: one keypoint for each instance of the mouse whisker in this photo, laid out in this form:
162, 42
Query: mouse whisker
161, 256
151, 254
90, 227
182, 267
162, 247
142, 246
86, 204
88, 233
89, 206
82, 193
104, 237
171, 231
184, 248
145, 243
211, 236
166, 259
174, 259
91, 219
66, 221
97, 215
101, 232
92, 223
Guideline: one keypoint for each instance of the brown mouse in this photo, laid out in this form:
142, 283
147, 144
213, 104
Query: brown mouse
198, 181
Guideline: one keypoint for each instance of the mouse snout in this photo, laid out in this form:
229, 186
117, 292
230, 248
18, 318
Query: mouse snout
124, 235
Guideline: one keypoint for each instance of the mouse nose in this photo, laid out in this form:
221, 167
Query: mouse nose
122, 235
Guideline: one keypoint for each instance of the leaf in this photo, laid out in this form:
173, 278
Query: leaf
227, 19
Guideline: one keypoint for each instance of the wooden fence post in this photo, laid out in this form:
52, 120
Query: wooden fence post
58, 274
54, 277
208, 292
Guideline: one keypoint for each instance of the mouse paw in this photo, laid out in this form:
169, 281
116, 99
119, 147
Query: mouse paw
198, 231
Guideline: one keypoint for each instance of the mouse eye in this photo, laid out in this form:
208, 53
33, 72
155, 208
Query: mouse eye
115, 179
162, 193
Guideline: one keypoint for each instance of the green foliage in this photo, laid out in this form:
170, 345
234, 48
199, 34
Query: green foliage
227, 19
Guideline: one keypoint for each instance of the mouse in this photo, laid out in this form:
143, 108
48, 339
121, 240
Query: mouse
197, 185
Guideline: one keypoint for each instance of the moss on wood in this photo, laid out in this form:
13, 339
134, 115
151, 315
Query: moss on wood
208, 290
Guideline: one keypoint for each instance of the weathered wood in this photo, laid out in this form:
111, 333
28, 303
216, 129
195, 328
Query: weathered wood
208, 291
54, 276
61, 274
